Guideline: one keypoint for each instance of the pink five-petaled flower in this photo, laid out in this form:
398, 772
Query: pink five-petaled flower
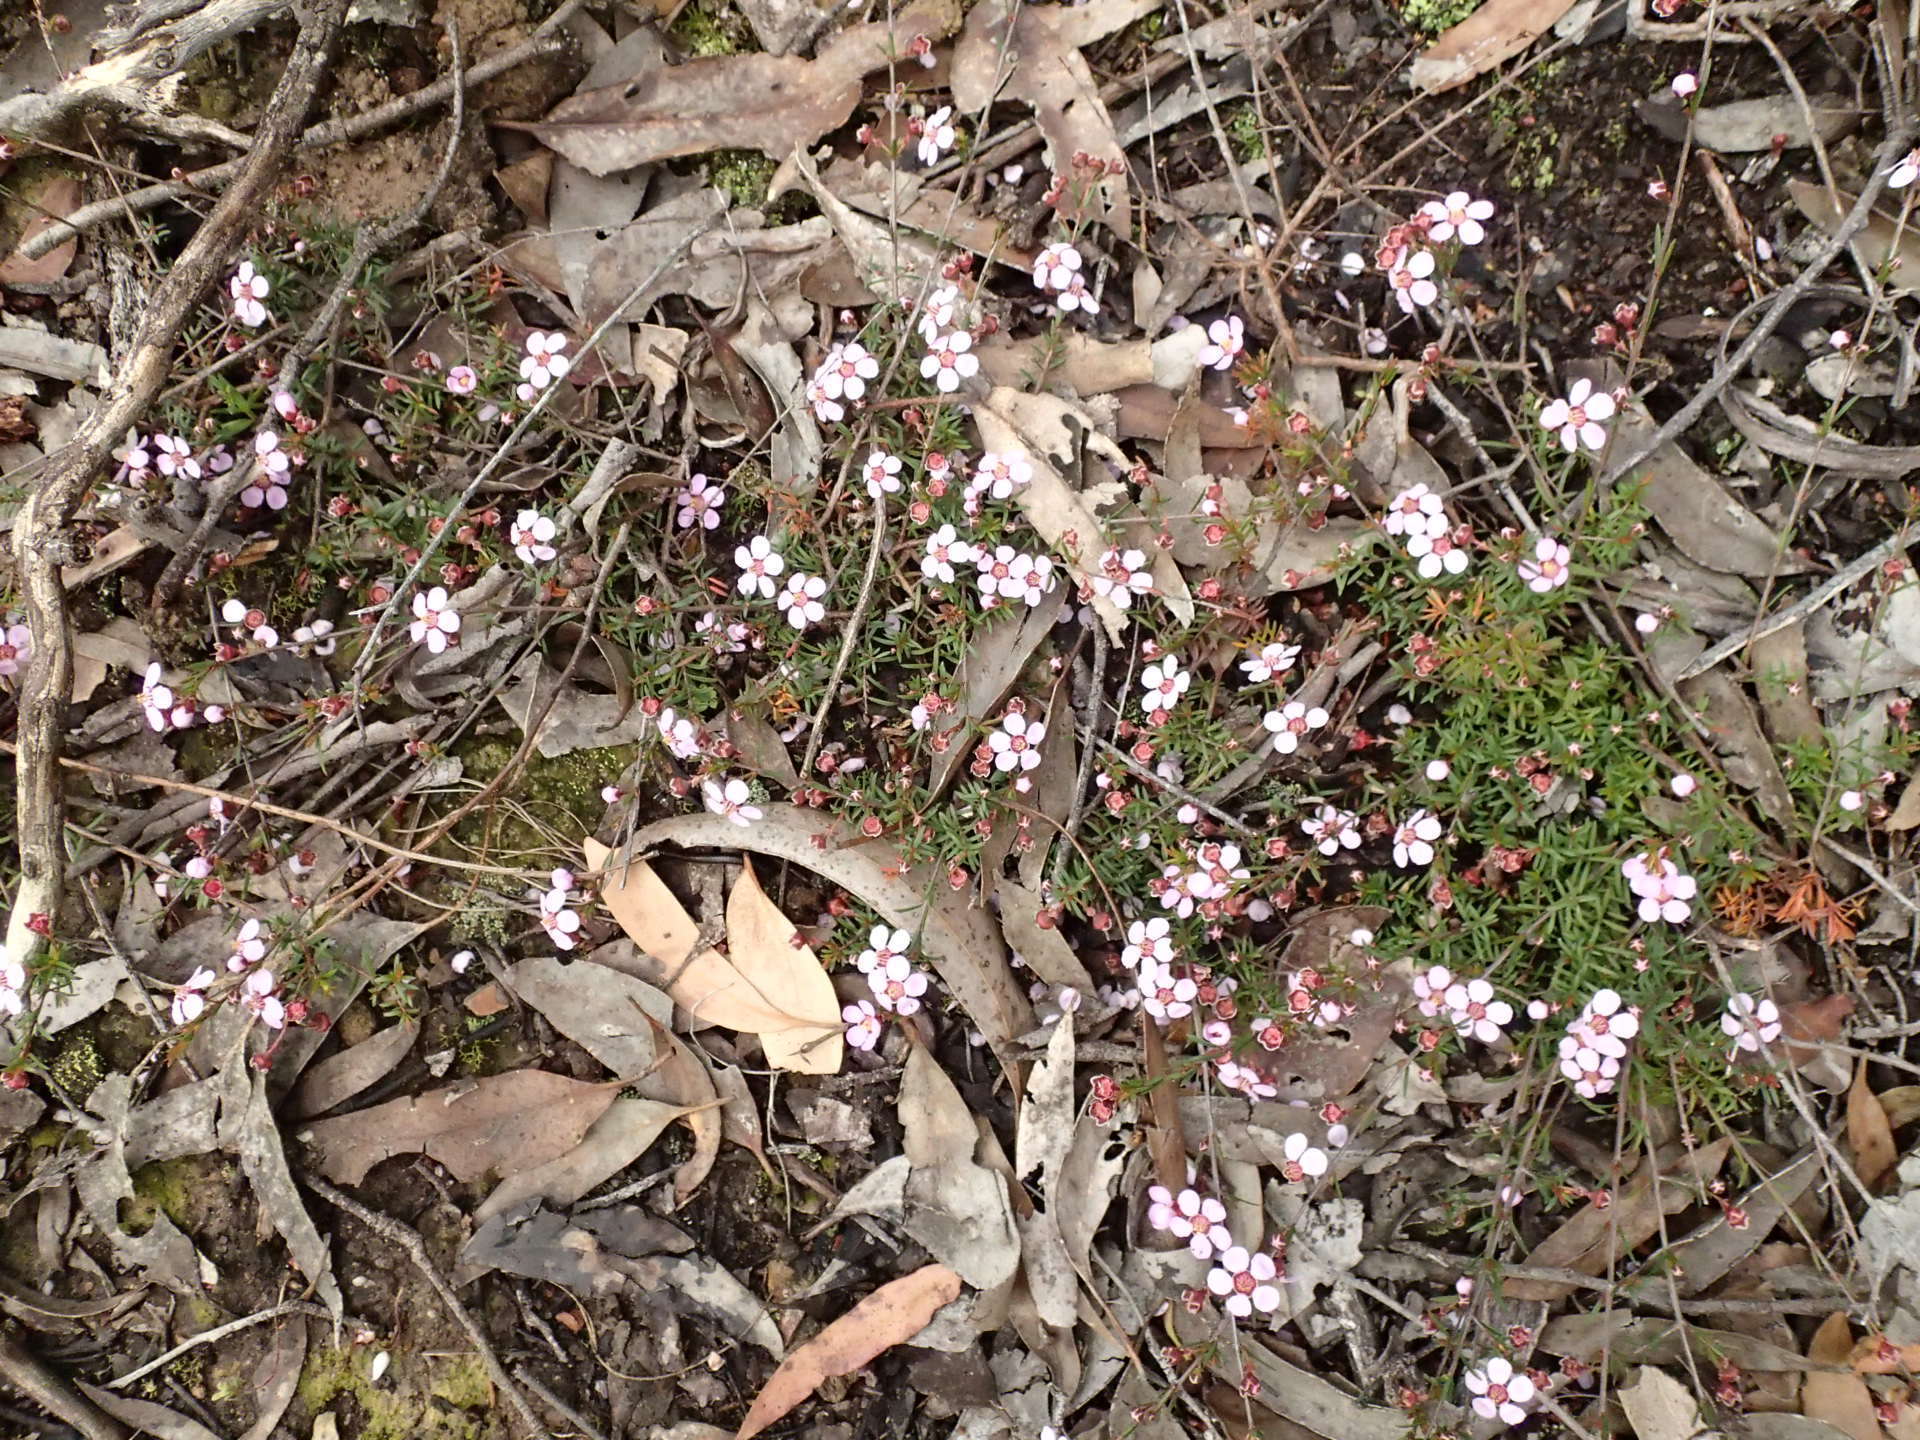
1499, 1392
1750, 1023
273, 463
863, 1025
249, 947
1430, 989
1163, 994
461, 380
156, 698
260, 1001
1300, 1159
1332, 830
1122, 574
1414, 510
190, 1000
1290, 722
1475, 1013
1411, 281
733, 800
897, 986
16, 648
1226, 343
883, 474
1148, 941
1244, 1282
1905, 170
1547, 569
1604, 1026
435, 621
936, 135
557, 919
543, 363
843, 375
1165, 682
248, 288
1001, 475
700, 501
949, 360
937, 313
1457, 215
1437, 553
759, 563
945, 549
882, 945
1016, 744
532, 536
1592, 1073
1578, 417
1056, 266
1202, 1223
1662, 889
800, 601
173, 456
1269, 661
1413, 839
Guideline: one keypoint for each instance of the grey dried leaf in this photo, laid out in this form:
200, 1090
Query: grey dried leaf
1710, 526
619, 1137
600, 1009
710, 1291
1744, 126
341, 1076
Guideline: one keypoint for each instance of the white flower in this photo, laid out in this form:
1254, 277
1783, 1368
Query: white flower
1459, 214
863, 1025
1684, 84
945, 549
1437, 553
1016, 744
1076, 297
939, 313
949, 361
260, 1001
1603, 1026
1750, 1023
1413, 839
1547, 570
156, 698
700, 501
434, 620
531, 534
1662, 889
1122, 574
897, 986
1226, 343
883, 474
1415, 510
190, 1001
758, 563
558, 920
844, 374
882, 945
316, 638
1332, 830
1148, 941
1499, 1392
248, 288
269, 455
1411, 283
681, 735
1055, 267
1031, 579
1271, 660
1001, 475
1474, 1011
1578, 417
1592, 1073
1290, 722
1202, 1223
543, 363
175, 457
801, 599
1301, 1159
1244, 1282
1164, 995
1165, 682
1905, 170
732, 800
936, 135
1430, 989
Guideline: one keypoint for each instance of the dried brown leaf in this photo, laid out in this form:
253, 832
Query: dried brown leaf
769, 103
1497, 31
891, 1315
1885, 239
53, 201
680, 1078
771, 957
1659, 1407
1839, 1398
340, 1077
614, 1141
502, 1124
1869, 1133
607, 1013
1704, 519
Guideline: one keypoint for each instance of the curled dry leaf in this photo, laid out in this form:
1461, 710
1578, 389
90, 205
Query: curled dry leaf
502, 1124
1869, 1133
617, 1139
1838, 1397
1659, 1407
961, 942
680, 1077
891, 1315
770, 985
769, 103
1497, 31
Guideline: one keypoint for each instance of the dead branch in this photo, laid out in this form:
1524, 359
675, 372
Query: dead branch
40, 534
21, 1370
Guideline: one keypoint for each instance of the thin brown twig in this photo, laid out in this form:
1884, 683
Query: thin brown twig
405, 1238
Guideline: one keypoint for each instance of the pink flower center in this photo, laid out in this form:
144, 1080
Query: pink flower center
7, 652
1297, 724
1243, 1282
1497, 1394
1576, 415
1201, 1225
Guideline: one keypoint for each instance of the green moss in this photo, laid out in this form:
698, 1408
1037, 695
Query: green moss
1436, 17
1244, 130
78, 1067
178, 1189
705, 30
551, 798
447, 1397
742, 176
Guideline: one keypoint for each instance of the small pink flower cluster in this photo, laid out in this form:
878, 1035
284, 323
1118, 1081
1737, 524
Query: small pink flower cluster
842, 376
259, 993
1420, 516
896, 984
1469, 1005
248, 289
557, 917
1750, 1024
1215, 868
168, 711
1596, 1043
1662, 889
1056, 272
16, 646
1201, 1222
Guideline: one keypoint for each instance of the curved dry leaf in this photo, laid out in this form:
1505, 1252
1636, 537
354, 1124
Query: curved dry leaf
1710, 527
617, 1139
1497, 31
680, 1078
340, 1077
1883, 241
1795, 437
1839, 1398
644, 907
891, 1315
961, 942
771, 957
604, 1011
503, 1124
1869, 1133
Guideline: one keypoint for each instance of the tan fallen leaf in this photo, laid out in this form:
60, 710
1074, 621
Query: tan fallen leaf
1659, 1407
1839, 1398
614, 1141
891, 1315
1869, 1133
502, 1124
1497, 31
1884, 239
771, 957
680, 1078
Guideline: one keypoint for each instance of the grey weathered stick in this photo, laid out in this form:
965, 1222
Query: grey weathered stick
21, 1370
40, 531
